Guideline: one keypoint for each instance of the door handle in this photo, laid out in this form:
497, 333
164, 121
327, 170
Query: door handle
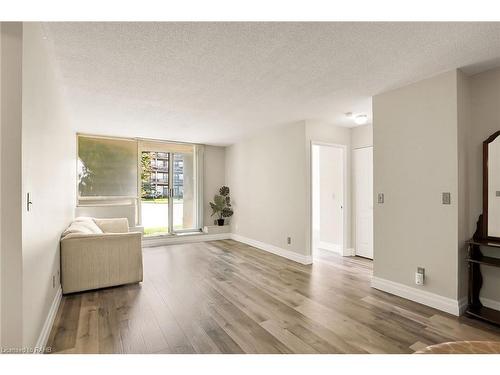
28, 202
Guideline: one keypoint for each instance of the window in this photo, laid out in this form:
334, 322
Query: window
161, 182
107, 168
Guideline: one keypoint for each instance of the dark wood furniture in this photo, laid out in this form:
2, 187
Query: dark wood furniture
483, 239
475, 259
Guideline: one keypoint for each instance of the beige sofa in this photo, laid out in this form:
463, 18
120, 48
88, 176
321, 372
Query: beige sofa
98, 253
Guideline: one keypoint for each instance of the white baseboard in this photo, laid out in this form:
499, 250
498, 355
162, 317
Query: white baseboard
328, 246
49, 321
202, 237
299, 258
436, 301
350, 252
335, 248
492, 304
169, 240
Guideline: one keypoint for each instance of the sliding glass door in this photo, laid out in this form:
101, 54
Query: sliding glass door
168, 188
155, 192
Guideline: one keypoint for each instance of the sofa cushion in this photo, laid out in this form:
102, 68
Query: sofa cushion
82, 225
88, 223
118, 225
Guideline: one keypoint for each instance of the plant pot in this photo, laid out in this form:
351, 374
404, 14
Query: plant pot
220, 222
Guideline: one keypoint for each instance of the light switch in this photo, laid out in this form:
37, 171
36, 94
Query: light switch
380, 199
497, 193
446, 198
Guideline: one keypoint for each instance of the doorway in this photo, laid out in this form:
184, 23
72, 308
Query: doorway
328, 166
363, 201
167, 185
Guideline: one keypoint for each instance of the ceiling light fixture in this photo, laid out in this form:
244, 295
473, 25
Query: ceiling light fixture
361, 119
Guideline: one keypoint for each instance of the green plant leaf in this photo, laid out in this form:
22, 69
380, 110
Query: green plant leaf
224, 191
227, 212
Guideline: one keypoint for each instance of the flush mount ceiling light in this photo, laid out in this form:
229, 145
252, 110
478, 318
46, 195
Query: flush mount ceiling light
361, 119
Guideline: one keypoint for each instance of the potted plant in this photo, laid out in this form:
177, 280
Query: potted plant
221, 206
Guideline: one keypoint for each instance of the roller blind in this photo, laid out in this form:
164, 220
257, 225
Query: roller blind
107, 167
181, 148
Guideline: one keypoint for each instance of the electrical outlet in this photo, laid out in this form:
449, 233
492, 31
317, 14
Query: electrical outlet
289, 240
420, 276
380, 198
446, 198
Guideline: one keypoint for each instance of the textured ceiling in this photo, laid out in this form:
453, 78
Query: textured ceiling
218, 82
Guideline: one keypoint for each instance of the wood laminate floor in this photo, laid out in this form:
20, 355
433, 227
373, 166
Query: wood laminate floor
228, 297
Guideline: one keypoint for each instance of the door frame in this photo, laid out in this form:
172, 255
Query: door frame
344, 187
354, 213
170, 206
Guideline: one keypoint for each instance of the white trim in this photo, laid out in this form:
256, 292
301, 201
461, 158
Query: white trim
449, 305
299, 258
350, 252
344, 203
360, 147
335, 248
328, 246
354, 213
49, 321
199, 162
179, 239
490, 303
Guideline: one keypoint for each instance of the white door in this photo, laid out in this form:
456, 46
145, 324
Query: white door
328, 197
363, 200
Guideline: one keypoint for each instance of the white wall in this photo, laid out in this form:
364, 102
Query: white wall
267, 175
415, 160
362, 136
49, 159
270, 178
214, 177
11, 198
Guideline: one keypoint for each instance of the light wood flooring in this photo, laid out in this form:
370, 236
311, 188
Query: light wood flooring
227, 297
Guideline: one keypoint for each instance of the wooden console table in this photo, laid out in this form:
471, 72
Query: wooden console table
475, 259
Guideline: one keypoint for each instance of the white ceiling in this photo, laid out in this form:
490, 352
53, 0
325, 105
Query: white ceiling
218, 82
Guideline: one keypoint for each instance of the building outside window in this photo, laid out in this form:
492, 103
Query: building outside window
155, 183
